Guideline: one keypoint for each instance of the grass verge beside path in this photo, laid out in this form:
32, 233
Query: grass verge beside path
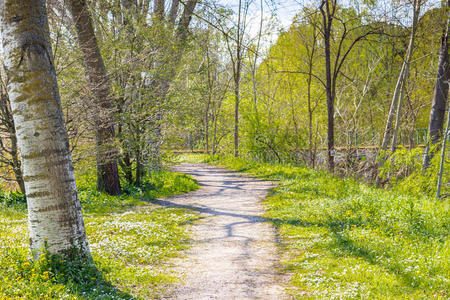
343, 239
129, 246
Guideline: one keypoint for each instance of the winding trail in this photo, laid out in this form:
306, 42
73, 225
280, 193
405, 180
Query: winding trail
234, 253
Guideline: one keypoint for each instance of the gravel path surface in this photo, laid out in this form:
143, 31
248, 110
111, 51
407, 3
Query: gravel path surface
234, 253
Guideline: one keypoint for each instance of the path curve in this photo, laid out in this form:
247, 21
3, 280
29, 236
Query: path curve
234, 253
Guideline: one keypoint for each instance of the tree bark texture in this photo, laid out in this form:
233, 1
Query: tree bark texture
405, 76
54, 211
11, 148
173, 11
441, 164
402, 78
327, 16
107, 170
440, 97
158, 8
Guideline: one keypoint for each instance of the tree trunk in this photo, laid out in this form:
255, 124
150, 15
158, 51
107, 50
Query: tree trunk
214, 145
441, 165
310, 114
17, 166
54, 211
397, 118
237, 80
8, 122
127, 165
158, 8
183, 24
139, 169
402, 78
327, 23
173, 11
255, 64
416, 7
107, 170
207, 126
391, 114
236, 120
437, 113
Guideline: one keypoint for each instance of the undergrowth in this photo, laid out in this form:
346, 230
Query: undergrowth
344, 239
129, 244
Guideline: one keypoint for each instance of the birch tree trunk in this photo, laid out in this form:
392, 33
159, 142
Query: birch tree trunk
398, 116
107, 170
416, 8
402, 78
54, 211
437, 113
390, 130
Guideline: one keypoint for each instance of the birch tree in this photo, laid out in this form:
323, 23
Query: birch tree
54, 211
396, 103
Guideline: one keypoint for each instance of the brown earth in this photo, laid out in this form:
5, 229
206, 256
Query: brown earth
234, 251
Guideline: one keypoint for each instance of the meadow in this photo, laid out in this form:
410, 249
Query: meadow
130, 239
342, 239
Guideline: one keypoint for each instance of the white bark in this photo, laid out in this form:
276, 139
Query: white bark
402, 78
441, 164
54, 212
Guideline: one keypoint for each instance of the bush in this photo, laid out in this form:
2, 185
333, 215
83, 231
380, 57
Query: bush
403, 171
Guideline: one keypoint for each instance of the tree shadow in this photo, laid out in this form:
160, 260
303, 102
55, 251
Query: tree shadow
335, 224
335, 227
81, 276
248, 218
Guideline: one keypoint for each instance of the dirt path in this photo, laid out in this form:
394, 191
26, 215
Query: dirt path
234, 253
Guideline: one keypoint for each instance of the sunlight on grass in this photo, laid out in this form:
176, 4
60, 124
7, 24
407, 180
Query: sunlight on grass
130, 244
343, 239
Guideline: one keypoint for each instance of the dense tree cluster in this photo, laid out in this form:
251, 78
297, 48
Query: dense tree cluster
343, 84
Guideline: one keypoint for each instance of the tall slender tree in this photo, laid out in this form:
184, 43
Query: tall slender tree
234, 38
437, 113
328, 11
345, 42
54, 211
107, 170
390, 130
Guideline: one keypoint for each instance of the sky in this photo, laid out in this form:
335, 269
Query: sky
285, 11
282, 10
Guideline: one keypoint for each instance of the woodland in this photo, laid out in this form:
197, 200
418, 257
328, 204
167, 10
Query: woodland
342, 104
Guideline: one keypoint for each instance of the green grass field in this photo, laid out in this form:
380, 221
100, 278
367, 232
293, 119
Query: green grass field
130, 241
343, 239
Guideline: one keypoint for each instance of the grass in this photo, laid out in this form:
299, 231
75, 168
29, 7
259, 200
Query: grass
130, 242
343, 239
